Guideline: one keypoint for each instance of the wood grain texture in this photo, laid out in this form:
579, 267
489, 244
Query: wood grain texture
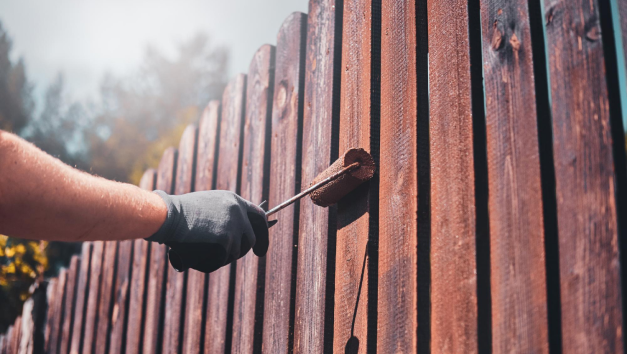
106, 293
196, 281
51, 298
287, 113
218, 333
155, 300
453, 266
250, 269
316, 239
585, 180
121, 295
136, 306
91, 312
82, 293
68, 311
398, 219
57, 316
518, 280
175, 286
353, 249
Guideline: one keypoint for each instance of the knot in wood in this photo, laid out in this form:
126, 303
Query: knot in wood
497, 37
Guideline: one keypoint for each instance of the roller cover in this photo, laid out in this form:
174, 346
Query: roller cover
333, 191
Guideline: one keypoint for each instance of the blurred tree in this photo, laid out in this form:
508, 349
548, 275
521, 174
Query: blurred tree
16, 102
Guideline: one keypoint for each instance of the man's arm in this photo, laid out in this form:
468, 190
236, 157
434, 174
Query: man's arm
42, 198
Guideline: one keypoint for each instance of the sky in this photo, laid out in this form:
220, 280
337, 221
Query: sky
84, 39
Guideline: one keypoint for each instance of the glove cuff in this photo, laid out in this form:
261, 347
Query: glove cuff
169, 225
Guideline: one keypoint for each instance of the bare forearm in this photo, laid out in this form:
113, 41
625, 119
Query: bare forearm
42, 198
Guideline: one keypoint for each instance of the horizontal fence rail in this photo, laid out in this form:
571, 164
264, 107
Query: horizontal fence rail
495, 222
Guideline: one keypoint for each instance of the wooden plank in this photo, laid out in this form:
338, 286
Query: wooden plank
27, 328
57, 316
82, 294
15, 335
622, 11
106, 294
517, 271
155, 306
33, 321
585, 180
357, 212
51, 298
218, 329
453, 266
316, 240
196, 281
398, 219
68, 311
175, 286
250, 270
7, 345
138, 292
2, 344
285, 165
121, 296
91, 312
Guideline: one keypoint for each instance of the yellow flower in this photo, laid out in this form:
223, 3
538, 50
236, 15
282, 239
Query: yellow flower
10, 251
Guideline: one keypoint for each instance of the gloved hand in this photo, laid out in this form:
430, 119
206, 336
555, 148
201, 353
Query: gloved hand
207, 230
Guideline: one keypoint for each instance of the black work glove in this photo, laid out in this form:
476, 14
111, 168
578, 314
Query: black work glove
210, 229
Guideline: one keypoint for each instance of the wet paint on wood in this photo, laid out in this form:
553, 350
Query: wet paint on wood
316, 240
250, 269
218, 332
357, 214
82, 295
517, 258
585, 180
175, 286
70, 305
106, 293
196, 281
453, 266
91, 312
286, 137
138, 281
155, 301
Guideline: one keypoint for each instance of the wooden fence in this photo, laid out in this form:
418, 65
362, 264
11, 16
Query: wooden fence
496, 222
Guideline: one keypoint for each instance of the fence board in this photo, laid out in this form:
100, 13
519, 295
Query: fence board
106, 293
316, 240
2, 344
287, 113
250, 269
218, 333
584, 175
357, 213
138, 290
15, 335
175, 286
196, 281
7, 343
51, 298
517, 272
622, 11
82, 293
70, 305
93, 300
55, 324
398, 219
121, 296
453, 267
155, 301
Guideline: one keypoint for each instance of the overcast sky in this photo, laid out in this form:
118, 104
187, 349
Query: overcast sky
86, 38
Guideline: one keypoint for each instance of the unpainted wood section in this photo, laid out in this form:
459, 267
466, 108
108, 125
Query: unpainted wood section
158, 263
353, 215
106, 292
517, 272
248, 287
82, 291
286, 121
175, 286
321, 65
227, 179
54, 340
453, 266
585, 180
68, 311
51, 299
121, 295
398, 198
141, 250
91, 313
196, 287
